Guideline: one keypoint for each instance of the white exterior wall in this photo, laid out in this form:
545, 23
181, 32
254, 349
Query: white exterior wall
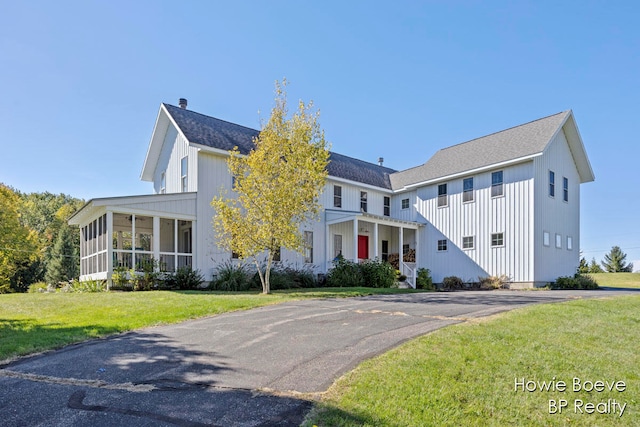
174, 148
511, 214
351, 197
554, 215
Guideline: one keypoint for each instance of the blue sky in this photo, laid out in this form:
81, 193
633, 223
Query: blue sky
82, 83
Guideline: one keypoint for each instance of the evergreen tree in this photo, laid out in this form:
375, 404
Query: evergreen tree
583, 268
614, 261
63, 263
594, 267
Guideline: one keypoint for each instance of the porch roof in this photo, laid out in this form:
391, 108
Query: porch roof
334, 216
174, 205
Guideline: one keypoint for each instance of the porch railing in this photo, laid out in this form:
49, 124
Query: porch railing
409, 270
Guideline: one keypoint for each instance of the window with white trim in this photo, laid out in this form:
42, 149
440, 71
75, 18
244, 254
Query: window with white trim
546, 238
337, 196
467, 190
497, 185
442, 195
363, 201
308, 247
565, 189
442, 245
497, 239
552, 184
387, 206
569, 243
184, 166
558, 241
337, 245
468, 242
405, 203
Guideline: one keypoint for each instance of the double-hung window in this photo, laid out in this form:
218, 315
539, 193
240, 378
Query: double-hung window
552, 184
497, 239
565, 189
496, 184
467, 190
442, 245
405, 203
442, 195
387, 206
468, 242
337, 196
363, 201
184, 166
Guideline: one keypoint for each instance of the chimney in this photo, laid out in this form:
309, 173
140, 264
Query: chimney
183, 103
380, 161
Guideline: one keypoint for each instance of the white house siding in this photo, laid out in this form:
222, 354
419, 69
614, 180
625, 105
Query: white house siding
351, 197
174, 148
409, 214
510, 214
554, 215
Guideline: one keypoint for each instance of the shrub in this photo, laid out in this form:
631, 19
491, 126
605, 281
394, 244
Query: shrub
452, 283
423, 279
120, 279
38, 287
284, 276
188, 278
578, 281
345, 273
378, 274
494, 282
86, 286
231, 276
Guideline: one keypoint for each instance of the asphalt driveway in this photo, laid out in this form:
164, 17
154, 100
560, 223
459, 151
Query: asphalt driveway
259, 367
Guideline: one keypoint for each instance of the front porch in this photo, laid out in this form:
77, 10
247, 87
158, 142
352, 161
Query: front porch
358, 236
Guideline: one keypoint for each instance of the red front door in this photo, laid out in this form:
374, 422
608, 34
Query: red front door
363, 247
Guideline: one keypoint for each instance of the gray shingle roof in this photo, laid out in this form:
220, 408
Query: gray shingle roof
510, 144
216, 133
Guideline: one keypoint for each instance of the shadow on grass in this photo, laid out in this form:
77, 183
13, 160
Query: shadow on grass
325, 414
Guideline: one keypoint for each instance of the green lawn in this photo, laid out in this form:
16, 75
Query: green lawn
618, 280
34, 322
466, 374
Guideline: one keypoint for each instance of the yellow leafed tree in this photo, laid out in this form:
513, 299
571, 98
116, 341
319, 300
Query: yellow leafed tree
276, 186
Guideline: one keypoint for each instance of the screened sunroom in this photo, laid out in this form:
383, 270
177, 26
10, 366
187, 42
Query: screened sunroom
135, 233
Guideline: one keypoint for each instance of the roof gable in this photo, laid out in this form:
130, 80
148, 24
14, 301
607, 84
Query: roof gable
507, 146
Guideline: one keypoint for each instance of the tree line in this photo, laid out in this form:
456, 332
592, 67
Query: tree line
36, 242
613, 262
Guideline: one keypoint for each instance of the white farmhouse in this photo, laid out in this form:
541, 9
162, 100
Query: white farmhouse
503, 204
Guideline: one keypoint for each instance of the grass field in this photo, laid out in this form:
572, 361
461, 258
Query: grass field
617, 280
466, 374
35, 322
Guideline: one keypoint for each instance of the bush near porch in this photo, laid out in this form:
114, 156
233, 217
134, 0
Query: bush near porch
370, 273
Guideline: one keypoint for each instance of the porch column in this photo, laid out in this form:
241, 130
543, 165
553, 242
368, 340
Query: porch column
109, 248
400, 245
355, 239
328, 241
156, 239
417, 245
376, 255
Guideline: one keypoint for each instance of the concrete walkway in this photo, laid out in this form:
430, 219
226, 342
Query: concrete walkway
251, 368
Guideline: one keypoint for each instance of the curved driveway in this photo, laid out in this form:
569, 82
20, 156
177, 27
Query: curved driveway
249, 368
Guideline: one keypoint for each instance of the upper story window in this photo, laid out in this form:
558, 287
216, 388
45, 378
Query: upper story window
559, 241
442, 195
569, 243
565, 189
363, 201
184, 166
467, 190
337, 196
552, 184
442, 245
497, 239
387, 206
496, 184
546, 238
468, 242
163, 183
405, 203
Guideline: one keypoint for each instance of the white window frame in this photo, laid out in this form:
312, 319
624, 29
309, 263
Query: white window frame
546, 238
565, 189
467, 194
443, 199
552, 184
363, 201
465, 242
337, 196
337, 245
404, 202
558, 241
497, 236
497, 188
442, 245
386, 208
184, 172
569, 243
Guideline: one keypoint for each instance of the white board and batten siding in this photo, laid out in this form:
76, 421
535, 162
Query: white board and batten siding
174, 149
510, 214
555, 216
